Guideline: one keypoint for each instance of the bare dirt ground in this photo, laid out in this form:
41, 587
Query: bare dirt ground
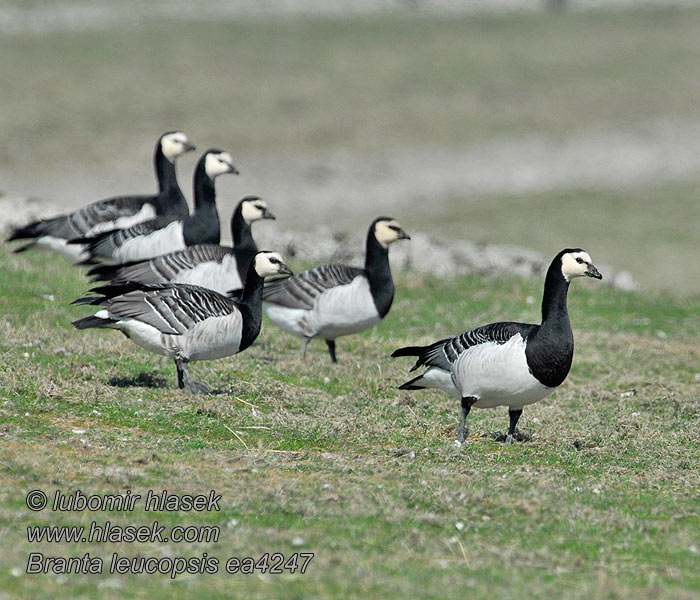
307, 190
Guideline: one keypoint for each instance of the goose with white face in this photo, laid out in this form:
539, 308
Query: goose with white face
218, 163
255, 209
269, 263
578, 264
389, 231
175, 144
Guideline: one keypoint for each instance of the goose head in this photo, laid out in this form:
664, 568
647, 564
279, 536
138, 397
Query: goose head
255, 209
218, 162
270, 263
577, 263
387, 230
174, 144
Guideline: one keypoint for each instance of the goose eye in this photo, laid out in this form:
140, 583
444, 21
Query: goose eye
394, 228
579, 260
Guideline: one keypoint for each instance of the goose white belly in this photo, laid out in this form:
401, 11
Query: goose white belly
497, 375
215, 337
71, 252
142, 334
342, 310
162, 241
147, 212
440, 379
220, 277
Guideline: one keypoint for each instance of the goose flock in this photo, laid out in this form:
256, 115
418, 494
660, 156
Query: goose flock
174, 290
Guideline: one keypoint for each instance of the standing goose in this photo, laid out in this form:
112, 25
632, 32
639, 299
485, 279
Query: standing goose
511, 364
218, 268
335, 300
164, 234
185, 322
117, 212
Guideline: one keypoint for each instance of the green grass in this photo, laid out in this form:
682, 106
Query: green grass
601, 502
356, 84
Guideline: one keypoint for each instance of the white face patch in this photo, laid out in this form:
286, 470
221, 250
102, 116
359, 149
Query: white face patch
174, 144
218, 163
387, 232
269, 263
575, 264
253, 210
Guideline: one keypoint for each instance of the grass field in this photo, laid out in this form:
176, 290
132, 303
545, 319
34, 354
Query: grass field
601, 502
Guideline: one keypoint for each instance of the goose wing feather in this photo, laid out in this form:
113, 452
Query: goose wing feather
444, 353
170, 308
301, 290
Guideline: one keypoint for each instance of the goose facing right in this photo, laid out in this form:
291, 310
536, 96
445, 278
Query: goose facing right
185, 322
218, 268
335, 300
507, 363
114, 213
167, 234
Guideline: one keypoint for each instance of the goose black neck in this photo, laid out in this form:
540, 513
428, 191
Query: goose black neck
250, 306
550, 349
241, 231
379, 274
556, 288
170, 199
203, 227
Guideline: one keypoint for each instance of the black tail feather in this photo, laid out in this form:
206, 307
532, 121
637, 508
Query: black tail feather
410, 385
91, 321
104, 272
31, 230
408, 351
23, 248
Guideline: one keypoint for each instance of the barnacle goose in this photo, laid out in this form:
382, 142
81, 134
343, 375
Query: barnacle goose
511, 364
185, 322
335, 300
164, 234
117, 212
218, 268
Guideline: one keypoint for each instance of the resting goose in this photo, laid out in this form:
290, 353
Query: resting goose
185, 322
165, 234
117, 212
511, 364
218, 268
335, 300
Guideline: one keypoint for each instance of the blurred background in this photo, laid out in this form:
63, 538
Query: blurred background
542, 124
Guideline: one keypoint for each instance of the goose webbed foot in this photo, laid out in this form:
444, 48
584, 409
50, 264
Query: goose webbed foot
196, 388
186, 384
467, 403
331, 350
514, 416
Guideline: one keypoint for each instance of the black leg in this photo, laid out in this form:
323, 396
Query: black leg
331, 350
190, 386
304, 345
181, 369
466, 407
514, 416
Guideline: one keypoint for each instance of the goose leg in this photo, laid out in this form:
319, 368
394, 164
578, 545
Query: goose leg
514, 416
467, 402
304, 344
187, 385
331, 350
